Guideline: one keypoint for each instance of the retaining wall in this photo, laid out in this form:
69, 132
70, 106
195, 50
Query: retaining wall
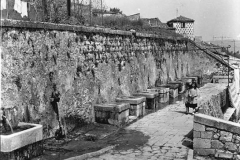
216, 137
89, 65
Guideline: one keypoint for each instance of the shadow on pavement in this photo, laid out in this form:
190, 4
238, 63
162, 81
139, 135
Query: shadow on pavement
188, 140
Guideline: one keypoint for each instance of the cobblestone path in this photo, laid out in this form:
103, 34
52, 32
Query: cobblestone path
166, 129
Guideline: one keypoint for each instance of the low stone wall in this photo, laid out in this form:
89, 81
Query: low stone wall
215, 137
213, 99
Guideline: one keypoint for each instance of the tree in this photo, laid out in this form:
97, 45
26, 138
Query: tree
115, 10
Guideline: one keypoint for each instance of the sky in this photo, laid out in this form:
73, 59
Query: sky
212, 17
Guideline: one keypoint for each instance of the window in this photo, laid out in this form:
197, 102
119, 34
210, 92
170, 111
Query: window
182, 25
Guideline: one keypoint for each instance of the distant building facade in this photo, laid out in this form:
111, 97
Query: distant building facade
183, 25
134, 17
153, 22
156, 23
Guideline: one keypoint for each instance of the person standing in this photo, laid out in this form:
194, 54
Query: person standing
55, 98
191, 96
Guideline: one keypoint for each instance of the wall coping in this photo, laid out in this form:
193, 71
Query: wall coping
78, 28
217, 123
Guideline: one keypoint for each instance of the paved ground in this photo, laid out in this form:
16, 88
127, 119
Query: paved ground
166, 136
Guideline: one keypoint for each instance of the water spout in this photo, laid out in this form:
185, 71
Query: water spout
9, 124
5, 121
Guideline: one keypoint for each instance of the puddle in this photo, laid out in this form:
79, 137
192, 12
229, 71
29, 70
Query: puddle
128, 139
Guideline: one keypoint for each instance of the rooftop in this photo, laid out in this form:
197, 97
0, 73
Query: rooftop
181, 19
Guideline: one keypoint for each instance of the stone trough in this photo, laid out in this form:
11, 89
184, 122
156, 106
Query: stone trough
25, 143
152, 98
181, 86
173, 89
222, 79
137, 104
163, 93
112, 113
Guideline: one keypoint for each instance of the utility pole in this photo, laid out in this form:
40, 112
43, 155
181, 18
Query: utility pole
233, 47
221, 39
69, 7
102, 11
90, 12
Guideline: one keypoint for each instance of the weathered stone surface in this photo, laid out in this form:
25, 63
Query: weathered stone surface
87, 67
198, 127
226, 136
204, 152
230, 146
216, 135
215, 144
238, 138
211, 129
18, 140
237, 157
201, 143
206, 135
217, 123
196, 134
224, 155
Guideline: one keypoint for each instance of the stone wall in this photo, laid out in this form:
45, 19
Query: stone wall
215, 104
89, 65
215, 137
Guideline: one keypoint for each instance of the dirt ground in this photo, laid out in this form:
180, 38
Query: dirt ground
91, 138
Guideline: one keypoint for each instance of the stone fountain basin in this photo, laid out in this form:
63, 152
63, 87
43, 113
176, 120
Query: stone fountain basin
20, 139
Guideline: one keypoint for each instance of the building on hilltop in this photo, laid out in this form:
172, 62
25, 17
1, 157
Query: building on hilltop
183, 25
153, 22
134, 17
156, 23
106, 13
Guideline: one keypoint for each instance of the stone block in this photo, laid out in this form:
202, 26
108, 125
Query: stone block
237, 157
226, 136
113, 113
211, 129
237, 138
173, 92
217, 123
137, 104
216, 135
204, 152
201, 143
198, 127
230, 146
206, 135
151, 98
224, 155
163, 92
181, 86
215, 144
196, 134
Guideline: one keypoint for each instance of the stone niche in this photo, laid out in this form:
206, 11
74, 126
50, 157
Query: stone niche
88, 65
